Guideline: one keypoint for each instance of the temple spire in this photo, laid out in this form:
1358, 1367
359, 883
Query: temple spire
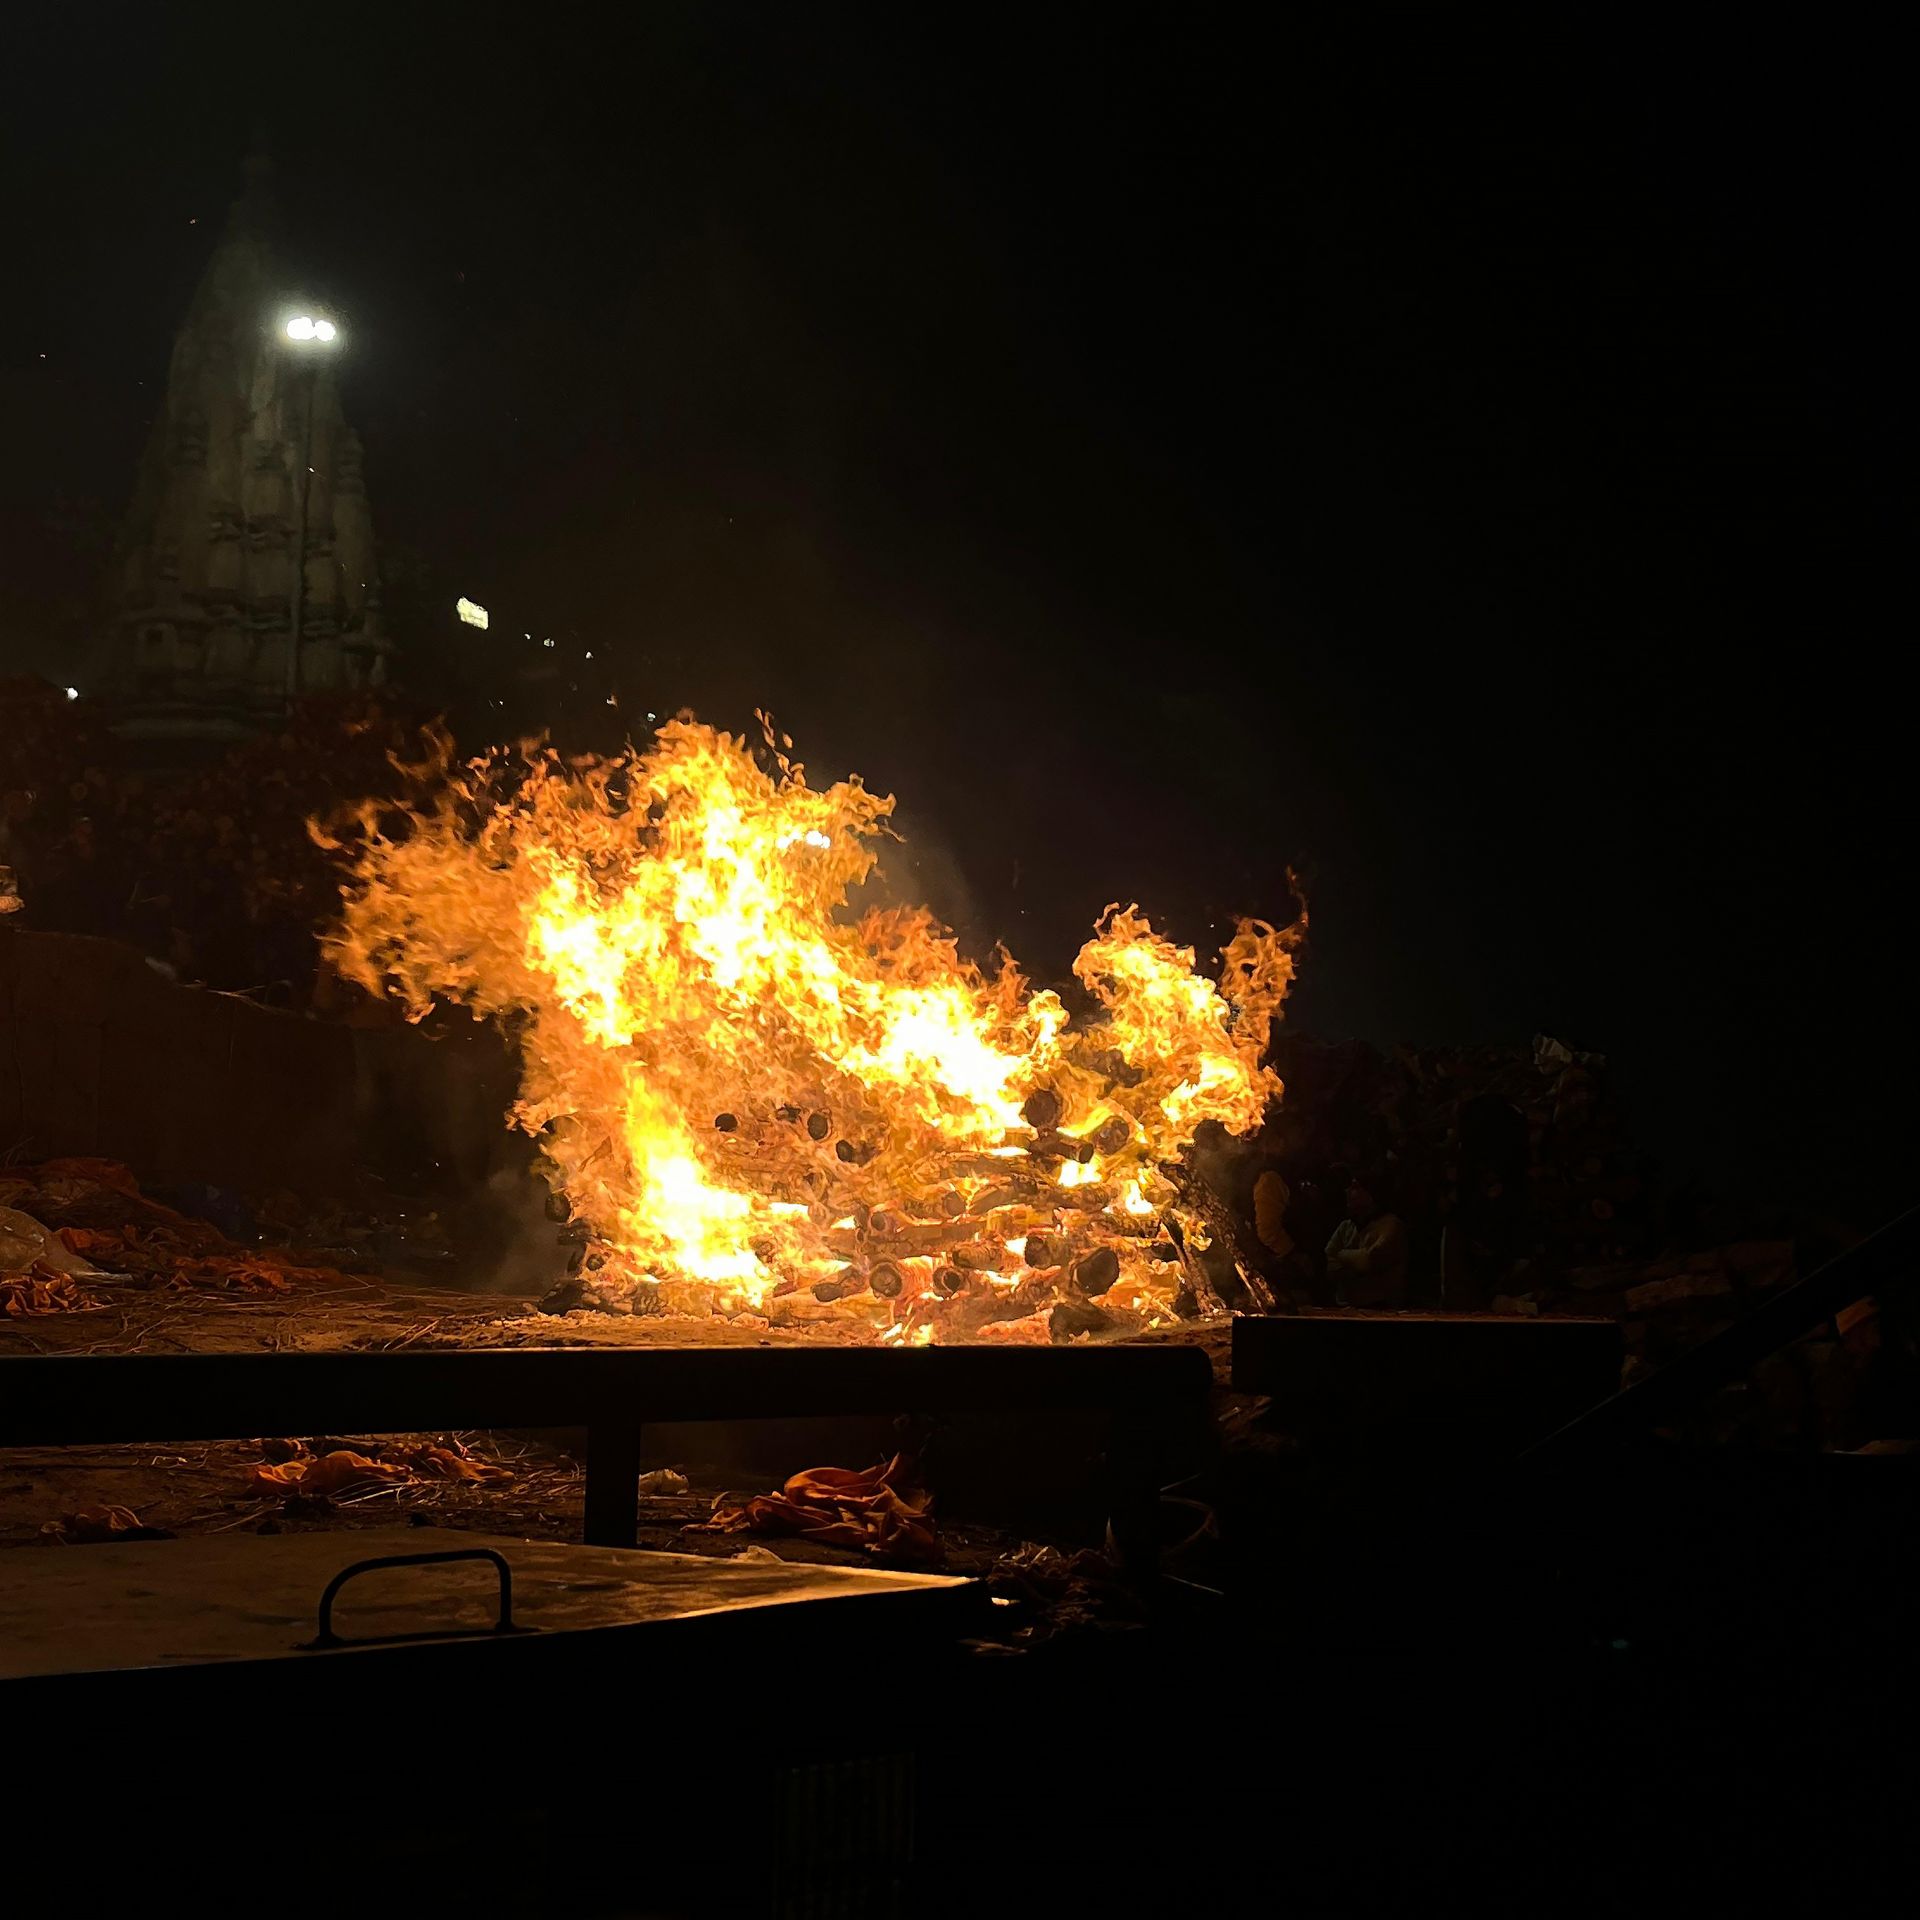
202, 596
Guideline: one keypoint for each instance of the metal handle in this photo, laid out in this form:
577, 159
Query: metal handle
326, 1637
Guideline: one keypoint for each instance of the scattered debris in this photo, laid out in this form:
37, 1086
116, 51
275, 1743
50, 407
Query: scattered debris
44, 1290
92, 1525
25, 1244
335, 1470
882, 1510
321, 1476
87, 1218
1052, 1591
1683, 1286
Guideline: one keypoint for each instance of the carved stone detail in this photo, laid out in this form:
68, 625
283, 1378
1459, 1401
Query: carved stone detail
201, 588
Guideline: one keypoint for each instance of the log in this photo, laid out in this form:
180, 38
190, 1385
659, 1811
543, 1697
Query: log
988, 1199
1233, 1256
1077, 1319
1196, 1297
1093, 1275
913, 1237
1037, 1290
1094, 1199
1042, 1250
840, 1286
1061, 1146
1015, 1221
982, 1307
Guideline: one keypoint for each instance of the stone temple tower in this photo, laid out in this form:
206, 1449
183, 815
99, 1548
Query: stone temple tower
201, 600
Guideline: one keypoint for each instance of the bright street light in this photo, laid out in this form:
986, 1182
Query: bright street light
303, 326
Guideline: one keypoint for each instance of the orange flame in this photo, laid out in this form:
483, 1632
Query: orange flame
760, 1101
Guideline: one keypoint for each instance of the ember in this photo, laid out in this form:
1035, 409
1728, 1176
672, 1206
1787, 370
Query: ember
759, 1100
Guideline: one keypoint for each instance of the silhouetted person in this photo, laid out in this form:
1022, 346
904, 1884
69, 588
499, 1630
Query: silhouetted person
1367, 1256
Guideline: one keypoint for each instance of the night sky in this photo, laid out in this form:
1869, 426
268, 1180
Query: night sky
1470, 467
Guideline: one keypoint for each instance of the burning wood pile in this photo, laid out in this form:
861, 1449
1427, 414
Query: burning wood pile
754, 1099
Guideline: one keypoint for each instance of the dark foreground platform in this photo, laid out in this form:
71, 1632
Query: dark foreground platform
141, 1613
1449, 1384
1153, 1395
660, 1733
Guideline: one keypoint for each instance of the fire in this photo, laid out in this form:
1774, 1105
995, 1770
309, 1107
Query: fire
762, 1100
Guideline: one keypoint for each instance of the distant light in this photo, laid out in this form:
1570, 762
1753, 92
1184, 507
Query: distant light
304, 327
546, 643
471, 612
653, 716
589, 653
73, 693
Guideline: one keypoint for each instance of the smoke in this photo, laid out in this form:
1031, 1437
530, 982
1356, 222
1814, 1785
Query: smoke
919, 869
517, 1246
432, 1119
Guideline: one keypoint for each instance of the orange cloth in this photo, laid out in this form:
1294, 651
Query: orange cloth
880, 1509
43, 1290
344, 1471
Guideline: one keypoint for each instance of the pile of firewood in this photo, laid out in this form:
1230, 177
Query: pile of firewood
995, 1248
